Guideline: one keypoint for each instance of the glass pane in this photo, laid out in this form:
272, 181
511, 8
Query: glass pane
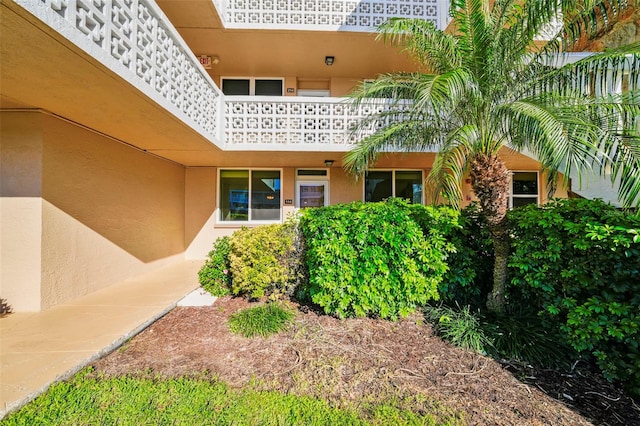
265, 195
234, 195
525, 183
235, 87
269, 87
312, 172
519, 202
409, 186
377, 186
311, 195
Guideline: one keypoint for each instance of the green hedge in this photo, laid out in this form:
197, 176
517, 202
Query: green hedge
375, 259
578, 262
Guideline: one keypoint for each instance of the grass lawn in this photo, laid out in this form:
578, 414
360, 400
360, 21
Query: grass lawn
89, 399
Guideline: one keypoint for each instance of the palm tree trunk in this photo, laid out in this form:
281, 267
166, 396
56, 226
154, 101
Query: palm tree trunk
490, 182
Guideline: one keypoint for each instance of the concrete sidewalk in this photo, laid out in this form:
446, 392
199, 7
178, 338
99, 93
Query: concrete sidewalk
37, 349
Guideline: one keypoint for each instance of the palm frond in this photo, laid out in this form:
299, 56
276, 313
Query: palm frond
451, 163
423, 41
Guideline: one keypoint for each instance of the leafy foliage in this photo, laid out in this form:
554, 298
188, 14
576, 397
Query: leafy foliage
486, 87
578, 261
374, 259
468, 280
266, 260
261, 320
215, 274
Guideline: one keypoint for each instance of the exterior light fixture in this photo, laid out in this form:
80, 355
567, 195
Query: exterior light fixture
328, 163
329, 60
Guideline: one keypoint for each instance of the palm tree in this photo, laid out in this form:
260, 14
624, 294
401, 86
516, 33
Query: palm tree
487, 85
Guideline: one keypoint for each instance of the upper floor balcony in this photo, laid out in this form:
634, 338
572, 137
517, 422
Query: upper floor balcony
327, 15
135, 40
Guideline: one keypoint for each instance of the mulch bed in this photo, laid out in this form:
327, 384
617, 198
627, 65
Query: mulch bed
347, 361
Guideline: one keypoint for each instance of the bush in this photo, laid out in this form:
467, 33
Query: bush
266, 260
578, 262
470, 276
215, 274
373, 259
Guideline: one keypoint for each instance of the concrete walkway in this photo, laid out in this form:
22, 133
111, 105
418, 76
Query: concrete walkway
37, 349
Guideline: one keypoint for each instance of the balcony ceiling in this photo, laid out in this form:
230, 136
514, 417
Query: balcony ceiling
280, 53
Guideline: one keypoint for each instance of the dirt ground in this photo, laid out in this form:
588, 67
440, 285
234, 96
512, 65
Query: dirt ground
346, 361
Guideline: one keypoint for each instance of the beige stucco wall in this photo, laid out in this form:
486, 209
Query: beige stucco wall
106, 211
20, 210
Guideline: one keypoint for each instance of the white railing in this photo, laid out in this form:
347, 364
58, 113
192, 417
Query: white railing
294, 123
136, 40
327, 15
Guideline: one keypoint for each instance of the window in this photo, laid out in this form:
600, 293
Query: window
249, 195
407, 184
252, 86
524, 189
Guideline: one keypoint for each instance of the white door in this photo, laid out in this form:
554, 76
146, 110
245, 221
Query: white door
312, 194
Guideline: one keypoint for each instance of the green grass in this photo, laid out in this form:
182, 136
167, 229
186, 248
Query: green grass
90, 400
260, 321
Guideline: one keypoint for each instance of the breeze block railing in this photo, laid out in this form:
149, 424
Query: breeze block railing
329, 15
136, 40
294, 123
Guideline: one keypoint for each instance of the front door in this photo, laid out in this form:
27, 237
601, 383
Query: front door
312, 194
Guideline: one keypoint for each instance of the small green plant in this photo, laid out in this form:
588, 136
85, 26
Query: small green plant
460, 326
215, 274
261, 321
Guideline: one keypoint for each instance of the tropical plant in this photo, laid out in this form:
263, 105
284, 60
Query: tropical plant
489, 85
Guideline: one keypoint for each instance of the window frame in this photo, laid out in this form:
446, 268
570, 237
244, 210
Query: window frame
529, 196
252, 84
393, 182
313, 180
236, 223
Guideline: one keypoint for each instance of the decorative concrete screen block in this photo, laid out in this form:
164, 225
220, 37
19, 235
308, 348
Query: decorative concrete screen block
145, 49
333, 15
307, 123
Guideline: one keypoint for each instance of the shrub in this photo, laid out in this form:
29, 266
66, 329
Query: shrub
215, 274
260, 321
470, 275
578, 261
266, 260
373, 259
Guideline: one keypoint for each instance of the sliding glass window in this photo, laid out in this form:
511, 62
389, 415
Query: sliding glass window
249, 195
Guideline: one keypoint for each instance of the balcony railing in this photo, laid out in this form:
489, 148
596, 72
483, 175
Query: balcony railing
292, 123
136, 40
327, 15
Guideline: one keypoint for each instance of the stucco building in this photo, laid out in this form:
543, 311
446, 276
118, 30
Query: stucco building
134, 133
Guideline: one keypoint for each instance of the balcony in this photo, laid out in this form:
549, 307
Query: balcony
327, 15
292, 123
135, 40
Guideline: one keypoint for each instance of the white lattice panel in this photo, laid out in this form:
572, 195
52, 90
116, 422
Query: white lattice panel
136, 34
292, 121
345, 15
